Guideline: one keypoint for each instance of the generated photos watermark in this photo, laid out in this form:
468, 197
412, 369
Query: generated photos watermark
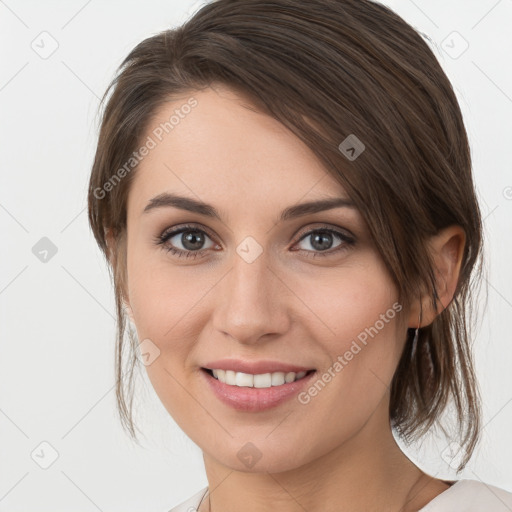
157, 135
343, 359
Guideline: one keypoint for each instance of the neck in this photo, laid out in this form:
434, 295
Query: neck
367, 472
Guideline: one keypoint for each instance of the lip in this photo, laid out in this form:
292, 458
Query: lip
254, 367
255, 399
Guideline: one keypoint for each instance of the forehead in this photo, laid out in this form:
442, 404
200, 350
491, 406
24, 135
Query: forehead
223, 150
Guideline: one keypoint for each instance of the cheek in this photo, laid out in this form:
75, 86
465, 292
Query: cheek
161, 294
165, 301
349, 302
357, 311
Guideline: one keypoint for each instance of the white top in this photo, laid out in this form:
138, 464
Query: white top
462, 496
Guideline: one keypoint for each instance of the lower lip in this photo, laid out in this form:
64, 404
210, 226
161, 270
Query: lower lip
255, 399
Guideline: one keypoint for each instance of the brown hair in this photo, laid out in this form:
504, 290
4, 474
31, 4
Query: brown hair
326, 69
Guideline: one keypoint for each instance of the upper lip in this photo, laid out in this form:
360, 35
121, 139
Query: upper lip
254, 367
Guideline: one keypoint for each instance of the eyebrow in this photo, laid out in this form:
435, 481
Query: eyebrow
192, 205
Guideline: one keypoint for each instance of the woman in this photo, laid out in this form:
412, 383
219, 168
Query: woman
284, 193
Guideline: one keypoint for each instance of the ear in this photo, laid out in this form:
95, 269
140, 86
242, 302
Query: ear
447, 249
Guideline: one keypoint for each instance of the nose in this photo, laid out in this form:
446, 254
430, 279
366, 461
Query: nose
251, 301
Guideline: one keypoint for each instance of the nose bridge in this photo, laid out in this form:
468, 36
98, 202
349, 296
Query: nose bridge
251, 273
249, 303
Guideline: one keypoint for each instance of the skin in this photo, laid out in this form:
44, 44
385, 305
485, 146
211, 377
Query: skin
337, 452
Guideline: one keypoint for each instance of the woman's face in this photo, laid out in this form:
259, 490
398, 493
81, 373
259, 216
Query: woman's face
252, 286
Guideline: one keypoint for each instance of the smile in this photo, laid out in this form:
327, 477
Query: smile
262, 380
255, 392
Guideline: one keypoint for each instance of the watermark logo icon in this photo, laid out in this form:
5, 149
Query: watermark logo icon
249, 249
45, 45
452, 454
44, 455
454, 44
352, 147
148, 352
44, 250
249, 454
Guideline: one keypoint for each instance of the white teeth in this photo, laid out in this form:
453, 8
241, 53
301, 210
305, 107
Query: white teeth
244, 379
263, 380
289, 377
230, 377
277, 378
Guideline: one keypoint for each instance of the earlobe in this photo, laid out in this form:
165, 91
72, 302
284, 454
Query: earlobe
447, 249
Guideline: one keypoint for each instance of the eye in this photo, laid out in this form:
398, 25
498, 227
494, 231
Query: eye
190, 238
321, 240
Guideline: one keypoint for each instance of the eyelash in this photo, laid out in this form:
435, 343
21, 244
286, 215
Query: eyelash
167, 235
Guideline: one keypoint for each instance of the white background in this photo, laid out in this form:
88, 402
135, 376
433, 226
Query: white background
57, 318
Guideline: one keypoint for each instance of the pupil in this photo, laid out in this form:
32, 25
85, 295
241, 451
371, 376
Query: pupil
319, 238
192, 240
